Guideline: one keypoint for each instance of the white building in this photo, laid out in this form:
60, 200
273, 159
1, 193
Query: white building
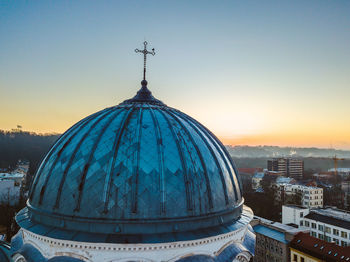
256, 180
9, 191
311, 197
17, 177
329, 224
342, 171
294, 214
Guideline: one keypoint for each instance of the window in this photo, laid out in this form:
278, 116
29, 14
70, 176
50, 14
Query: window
307, 224
344, 234
327, 238
335, 232
327, 229
295, 258
343, 243
301, 214
321, 236
302, 259
301, 222
313, 225
313, 234
320, 227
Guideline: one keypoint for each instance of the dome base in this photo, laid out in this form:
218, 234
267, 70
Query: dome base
25, 221
235, 241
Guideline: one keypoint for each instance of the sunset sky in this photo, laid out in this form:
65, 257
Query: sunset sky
254, 72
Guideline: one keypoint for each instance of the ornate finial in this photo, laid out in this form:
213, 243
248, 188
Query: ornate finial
145, 52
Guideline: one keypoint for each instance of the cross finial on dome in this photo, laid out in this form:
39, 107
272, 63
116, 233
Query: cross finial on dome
145, 52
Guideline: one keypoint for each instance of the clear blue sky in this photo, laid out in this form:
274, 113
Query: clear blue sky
254, 72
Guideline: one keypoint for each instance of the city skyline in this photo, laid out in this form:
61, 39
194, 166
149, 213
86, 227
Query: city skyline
254, 73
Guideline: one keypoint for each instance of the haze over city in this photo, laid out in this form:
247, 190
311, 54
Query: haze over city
253, 72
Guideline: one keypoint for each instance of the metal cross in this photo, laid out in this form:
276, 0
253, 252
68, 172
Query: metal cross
145, 52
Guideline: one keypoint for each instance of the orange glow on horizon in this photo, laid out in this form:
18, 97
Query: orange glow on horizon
285, 140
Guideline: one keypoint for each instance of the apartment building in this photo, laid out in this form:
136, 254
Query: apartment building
288, 166
272, 240
294, 214
311, 197
329, 224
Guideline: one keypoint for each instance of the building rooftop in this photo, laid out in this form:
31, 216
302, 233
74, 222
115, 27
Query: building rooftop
11, 175
259, 175
271, 233
295, 206
277, 226
319, 248
249, 170
284, 180
331, 216
340, 169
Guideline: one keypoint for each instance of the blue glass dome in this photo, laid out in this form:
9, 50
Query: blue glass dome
137, 167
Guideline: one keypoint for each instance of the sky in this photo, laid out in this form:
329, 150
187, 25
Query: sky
253, 72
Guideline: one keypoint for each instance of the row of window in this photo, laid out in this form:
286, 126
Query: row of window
306, 203
316, 197
325, 229
313, 192
296, 258
329, 239
273, 246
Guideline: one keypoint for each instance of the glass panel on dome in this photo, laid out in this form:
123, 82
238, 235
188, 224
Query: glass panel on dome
230, 187
96, 175
197, 185
62, 163
174, 177
218, 187
75, 179
120, 185
50, 159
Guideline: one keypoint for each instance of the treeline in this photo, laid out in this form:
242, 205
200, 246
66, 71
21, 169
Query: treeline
276, 151
17, 144
317, 164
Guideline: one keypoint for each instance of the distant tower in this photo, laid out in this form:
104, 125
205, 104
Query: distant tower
292, 167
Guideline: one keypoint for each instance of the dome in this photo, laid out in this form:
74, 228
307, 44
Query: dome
140, 166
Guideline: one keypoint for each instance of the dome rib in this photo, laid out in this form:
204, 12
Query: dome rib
199, 153
212, 138
87, 164
58, 155
115, 151
137, 165
225, 155
160, 160
77, 147
195, 128
54, 148
189, 200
